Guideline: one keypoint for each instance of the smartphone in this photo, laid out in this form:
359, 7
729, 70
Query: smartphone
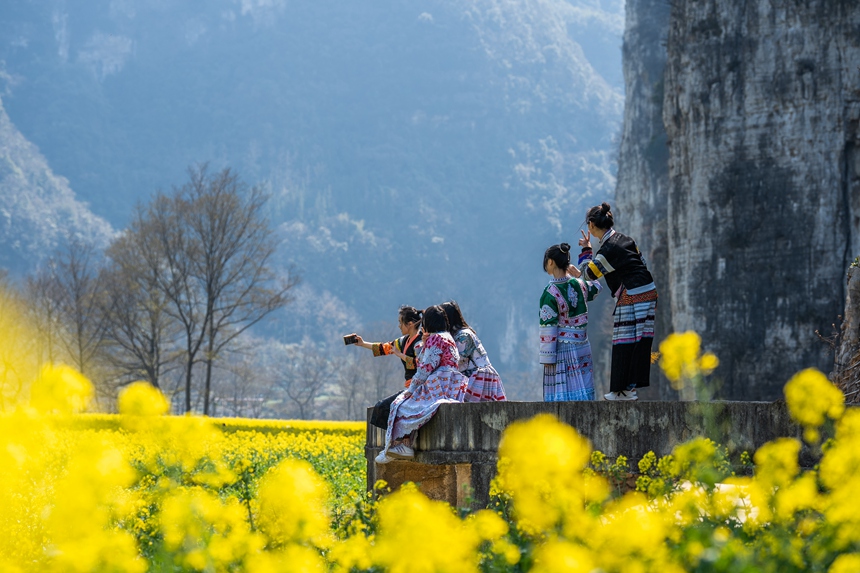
350, 339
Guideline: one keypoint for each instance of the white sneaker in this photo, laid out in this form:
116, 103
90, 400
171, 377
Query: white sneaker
383, 459
620, 396
401, 451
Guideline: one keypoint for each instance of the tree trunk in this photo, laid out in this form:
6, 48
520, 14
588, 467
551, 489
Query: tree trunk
846, 369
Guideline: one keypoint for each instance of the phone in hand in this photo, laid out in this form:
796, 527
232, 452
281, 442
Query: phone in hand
350, 339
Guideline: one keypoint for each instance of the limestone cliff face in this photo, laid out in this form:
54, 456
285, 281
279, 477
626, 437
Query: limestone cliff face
643, 170
762, 210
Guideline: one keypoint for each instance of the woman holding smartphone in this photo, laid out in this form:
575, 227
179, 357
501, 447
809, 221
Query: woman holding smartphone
405, 348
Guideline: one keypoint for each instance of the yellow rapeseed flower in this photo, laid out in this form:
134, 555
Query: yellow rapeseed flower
293, 500
776, 462
142, 399
60, 389
417, 535
846, 563
679, 355
541, 466
811, 398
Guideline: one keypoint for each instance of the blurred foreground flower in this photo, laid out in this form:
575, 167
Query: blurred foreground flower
60, 389
811, 399
681, 360
142, 399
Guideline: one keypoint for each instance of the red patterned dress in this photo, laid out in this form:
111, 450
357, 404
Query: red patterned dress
436, 381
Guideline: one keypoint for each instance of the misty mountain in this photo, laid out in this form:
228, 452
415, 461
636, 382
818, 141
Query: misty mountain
414, 151
38, 209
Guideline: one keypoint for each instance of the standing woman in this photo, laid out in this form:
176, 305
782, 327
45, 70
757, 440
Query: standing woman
565, 352
620, 263
485, 384
405, 348
436, 381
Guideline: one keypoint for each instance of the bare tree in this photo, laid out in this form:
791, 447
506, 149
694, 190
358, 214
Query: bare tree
304, 371
77, 278
232, 245
43, 312
137, 322
245, 388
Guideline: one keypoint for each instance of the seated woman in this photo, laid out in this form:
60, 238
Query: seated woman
436, 381
405, 348
485, 384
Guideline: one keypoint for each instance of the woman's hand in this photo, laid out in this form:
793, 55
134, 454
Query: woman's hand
573, 271
359, 340
585, 241
398, 354
549, 369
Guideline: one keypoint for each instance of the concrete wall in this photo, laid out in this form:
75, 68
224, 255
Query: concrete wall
458, 446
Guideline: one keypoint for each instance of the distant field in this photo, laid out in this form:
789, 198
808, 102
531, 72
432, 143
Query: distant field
335, 449
116, 479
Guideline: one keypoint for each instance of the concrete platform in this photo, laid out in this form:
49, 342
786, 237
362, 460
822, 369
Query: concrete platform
456, 450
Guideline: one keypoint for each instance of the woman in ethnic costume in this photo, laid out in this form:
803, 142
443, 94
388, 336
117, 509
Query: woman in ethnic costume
436, 381
485, 384
405, 348
565, 351
620, 263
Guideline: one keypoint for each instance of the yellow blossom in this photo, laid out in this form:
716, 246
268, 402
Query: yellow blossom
417, 535
679, 354
811, 398
292, 504
142, 399
60, 389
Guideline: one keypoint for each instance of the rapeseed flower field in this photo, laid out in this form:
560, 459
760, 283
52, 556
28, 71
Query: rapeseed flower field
143, 491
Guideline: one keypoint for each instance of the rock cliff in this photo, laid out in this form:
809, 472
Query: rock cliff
761, 213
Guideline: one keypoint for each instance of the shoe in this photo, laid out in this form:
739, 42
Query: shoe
382, 458
401, 451
620, 396
633, 392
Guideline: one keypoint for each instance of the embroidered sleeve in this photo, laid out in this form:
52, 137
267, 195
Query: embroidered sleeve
382, 348
593, 266
548, 328
427, 362
548, 309
465, 344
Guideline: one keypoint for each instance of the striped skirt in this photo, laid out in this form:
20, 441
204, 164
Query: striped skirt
574, 374
632, 337
485, 385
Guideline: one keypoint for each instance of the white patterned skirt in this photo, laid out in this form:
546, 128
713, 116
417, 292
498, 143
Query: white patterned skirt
574, 374
485, 385
444, 385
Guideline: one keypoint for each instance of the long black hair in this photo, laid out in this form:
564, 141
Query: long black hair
434, 320
601, 216
456, 322
409, 314
559, 254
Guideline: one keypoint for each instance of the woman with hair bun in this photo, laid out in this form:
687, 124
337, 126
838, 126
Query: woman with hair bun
485, 384
405, 348
619, 262
436, 381
568, 370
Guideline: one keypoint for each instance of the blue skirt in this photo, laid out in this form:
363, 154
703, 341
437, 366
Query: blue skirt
574, 374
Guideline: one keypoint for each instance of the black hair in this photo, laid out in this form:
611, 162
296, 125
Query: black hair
409, 314
559, 254
601, 216
434, 320
456, 321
